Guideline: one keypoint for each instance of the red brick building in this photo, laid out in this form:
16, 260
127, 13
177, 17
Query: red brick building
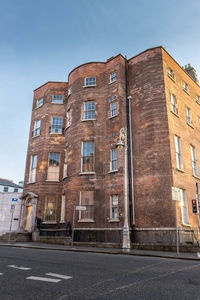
73, 160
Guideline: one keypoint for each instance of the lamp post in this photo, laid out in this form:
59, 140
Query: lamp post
122, 143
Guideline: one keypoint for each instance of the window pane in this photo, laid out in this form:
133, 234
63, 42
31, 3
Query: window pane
56, 125
53, 166
87, 199
88, 157
50, 209
57, 99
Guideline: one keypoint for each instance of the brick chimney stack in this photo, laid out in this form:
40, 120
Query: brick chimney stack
191, 72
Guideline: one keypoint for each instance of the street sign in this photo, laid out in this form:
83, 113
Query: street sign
15, 200
176, 196
12, 208
80, 207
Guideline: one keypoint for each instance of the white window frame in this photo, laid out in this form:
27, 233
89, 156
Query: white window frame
50, 212
33, 168
184, 207
59, 99
198, 99
195, 167
178, 151
56, 125
113, 206
68, 118
90, 81
69, 92
113, 77
87, 156
36, 128
65, 166
53, 171
39, 102
186, 87
189, 116
113, 111
174, 107
113, 160
87, 112
83, 213
170, 73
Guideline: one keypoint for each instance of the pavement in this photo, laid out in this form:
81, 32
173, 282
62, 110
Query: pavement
148, 253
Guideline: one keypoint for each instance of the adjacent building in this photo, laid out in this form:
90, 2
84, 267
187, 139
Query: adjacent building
10, 194
150, 104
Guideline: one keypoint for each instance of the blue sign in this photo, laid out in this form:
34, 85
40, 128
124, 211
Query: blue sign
14, 199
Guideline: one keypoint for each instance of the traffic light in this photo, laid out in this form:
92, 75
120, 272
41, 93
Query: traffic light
194, 206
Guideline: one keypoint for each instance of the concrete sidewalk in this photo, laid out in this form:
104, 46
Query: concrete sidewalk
149, 253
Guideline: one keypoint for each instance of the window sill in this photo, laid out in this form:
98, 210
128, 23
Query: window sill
64, 177
173, 112
88, 120
190, 124
187, 225
112, 116
60, 133
47, 180
112, 81
57, 103
186, 91
113, 220
180, 170
33, 137
171, 78
88, 86
87, 173
86, 221
113, 171
30, 182
38, 106
195, 176
67, 127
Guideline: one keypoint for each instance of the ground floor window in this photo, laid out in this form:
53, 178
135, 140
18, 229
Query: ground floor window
87, 200
50, 209
184, 207
114, 208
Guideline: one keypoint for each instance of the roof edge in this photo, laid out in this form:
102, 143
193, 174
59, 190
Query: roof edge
49, 82
95, 62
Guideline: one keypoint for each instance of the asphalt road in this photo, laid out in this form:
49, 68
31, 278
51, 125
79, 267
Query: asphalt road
44, 274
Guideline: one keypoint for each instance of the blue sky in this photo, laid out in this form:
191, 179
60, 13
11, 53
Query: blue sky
44, 40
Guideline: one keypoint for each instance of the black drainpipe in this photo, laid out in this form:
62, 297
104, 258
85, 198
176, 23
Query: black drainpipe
129, 148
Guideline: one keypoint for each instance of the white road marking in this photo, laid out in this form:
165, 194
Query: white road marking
43, 279
20, 268
1, 273
58, 275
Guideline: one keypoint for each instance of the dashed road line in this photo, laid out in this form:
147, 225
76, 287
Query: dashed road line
19, 268
58, 275
1, 273
43, 279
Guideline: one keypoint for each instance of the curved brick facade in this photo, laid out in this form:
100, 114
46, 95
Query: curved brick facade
91, 170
